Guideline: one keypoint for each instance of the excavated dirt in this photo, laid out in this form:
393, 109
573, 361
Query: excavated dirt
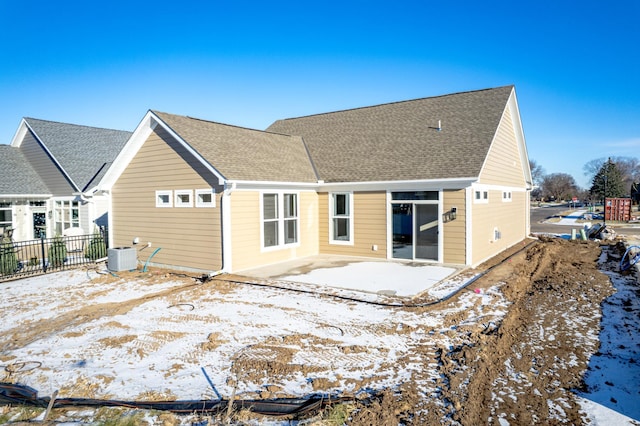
526, 365
520, 366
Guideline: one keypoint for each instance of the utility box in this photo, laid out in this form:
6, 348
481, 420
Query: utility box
122, 259
617, 209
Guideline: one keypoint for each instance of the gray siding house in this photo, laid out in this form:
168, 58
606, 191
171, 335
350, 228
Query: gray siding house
48, 178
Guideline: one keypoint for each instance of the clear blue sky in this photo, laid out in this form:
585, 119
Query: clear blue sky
575, 64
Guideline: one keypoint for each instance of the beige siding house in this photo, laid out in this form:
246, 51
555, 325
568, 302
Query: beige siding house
444, 179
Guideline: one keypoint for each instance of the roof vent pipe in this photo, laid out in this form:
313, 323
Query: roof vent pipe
439, 125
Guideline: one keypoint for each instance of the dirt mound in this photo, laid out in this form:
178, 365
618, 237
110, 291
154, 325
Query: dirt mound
524, 368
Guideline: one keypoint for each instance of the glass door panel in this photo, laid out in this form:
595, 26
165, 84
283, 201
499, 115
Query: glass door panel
402, 231
426, 231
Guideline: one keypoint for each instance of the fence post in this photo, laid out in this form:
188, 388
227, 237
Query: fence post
44, 263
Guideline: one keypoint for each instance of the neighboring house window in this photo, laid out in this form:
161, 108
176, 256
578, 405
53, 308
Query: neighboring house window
184, 198
506, 196
164, 199
341, 221
481, 196
205, 198
279, 219
5, 217
67, 215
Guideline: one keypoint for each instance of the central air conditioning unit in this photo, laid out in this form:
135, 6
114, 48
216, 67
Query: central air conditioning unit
122, 259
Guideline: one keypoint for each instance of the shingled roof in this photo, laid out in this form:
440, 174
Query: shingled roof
401, 140
244, 154
17, 177
83, 152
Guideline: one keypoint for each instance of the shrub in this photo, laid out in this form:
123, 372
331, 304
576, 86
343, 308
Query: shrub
97, 248
57, 252
8, 258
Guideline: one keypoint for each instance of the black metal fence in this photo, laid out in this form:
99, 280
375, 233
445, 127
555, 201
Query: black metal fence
19, 259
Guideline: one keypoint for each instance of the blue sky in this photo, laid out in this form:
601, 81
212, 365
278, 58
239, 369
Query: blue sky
575, 65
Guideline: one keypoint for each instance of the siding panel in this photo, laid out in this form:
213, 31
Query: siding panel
503, 165
369, 226
51, 175
188, 237
246, 225
455, 234
509, 218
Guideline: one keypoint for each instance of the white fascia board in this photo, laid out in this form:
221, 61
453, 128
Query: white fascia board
271, 185
133, 145
519, 132
44, 146
126, 154
401, 185
20, 134
2, 196
405, 185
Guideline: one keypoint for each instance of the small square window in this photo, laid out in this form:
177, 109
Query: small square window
506, 196
184, 198
164, 199
205, 198
481, 196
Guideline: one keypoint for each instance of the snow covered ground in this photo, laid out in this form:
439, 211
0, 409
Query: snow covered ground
90, 334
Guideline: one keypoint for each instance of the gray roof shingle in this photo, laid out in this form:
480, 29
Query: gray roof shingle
400, 141
82, 151
17, 177
244, 154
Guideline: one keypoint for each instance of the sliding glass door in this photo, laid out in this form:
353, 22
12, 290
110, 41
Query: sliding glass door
415, 225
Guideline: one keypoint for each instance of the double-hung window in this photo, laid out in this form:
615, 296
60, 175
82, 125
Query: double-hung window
5, 217
279, 219
67, 215
341, 221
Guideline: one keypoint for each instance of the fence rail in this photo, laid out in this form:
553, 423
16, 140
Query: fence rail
20, 259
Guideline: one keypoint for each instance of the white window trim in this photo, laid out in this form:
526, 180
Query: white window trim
507, 196
484, 196
351, 239
205, 204
178, 202
161, 204
281, 221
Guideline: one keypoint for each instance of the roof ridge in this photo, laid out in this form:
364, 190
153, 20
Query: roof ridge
75, 125
398, 102
204, 120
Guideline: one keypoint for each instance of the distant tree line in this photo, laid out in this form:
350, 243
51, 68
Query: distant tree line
610, 177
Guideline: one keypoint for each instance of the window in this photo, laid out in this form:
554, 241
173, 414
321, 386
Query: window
205, 198
5, 217
184, 198
279, 219
481, 196
67, 215
506, 196
341, 221
164, 199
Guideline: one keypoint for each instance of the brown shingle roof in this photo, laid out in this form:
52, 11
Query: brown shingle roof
400, 141
244, 154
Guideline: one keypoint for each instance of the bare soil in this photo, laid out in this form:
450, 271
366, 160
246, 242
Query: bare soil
522, 366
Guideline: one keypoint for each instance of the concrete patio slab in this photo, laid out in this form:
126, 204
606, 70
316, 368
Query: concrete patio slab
362, 274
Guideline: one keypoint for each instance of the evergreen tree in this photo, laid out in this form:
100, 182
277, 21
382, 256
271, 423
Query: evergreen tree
607, 183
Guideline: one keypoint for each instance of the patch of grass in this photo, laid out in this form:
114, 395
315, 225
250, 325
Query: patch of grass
338, 414
107, 416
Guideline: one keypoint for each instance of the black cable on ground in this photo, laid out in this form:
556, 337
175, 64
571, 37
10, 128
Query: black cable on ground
376, 303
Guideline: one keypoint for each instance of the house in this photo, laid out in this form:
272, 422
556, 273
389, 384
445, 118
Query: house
442, 179
48, 176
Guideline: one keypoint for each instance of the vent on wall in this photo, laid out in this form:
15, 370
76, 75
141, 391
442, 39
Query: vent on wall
122, 259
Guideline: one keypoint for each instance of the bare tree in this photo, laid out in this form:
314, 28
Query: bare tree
537, 172
559, 186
